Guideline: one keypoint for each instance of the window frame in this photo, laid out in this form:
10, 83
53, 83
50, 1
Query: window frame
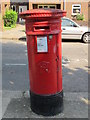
48, 6
76, 8
13, 6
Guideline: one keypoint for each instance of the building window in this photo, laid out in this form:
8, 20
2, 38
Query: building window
5, 5
20, 9
40, 6
34, 6
13, 7
53, 7
76, 8
47, 6
58, 6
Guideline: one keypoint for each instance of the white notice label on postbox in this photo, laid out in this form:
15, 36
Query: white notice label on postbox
42, 44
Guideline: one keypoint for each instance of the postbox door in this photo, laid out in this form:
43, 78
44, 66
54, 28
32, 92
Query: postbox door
42, 54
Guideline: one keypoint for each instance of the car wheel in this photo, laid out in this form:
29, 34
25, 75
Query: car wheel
86, 37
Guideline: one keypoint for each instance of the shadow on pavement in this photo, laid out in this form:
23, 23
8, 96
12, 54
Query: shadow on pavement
65, 40
74, 41
22, 38
75, 80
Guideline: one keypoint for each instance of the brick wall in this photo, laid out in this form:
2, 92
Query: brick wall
31, 2
84, 9
5, 4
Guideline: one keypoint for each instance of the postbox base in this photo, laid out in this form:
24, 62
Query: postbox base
47, 105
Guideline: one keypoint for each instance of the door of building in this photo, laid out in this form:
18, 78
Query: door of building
22, 9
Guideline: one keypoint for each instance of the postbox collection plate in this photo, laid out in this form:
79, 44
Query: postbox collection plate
42, 45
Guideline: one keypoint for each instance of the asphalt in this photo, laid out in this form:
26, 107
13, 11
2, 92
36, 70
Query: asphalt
15, 103
15, 66
15, 95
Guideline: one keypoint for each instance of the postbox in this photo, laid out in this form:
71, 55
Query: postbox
43, 32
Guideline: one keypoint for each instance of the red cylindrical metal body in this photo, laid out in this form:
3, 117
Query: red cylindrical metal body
43, 30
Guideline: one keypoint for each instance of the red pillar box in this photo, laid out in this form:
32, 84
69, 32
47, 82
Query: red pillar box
43, 30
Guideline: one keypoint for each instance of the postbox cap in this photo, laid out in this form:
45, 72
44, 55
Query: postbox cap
34, 13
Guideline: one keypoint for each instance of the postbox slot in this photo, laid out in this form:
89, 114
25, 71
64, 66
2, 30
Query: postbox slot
41, 28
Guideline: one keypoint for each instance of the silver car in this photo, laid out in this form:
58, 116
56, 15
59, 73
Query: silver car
71, 30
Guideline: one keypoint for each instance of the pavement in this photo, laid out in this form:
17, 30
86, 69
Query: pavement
16, 103
14, 33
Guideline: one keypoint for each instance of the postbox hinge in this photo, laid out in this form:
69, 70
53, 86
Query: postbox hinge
57, 59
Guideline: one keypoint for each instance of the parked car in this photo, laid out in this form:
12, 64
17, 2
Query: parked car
71, 30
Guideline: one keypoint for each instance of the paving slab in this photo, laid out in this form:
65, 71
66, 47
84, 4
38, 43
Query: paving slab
16, 33
75, 105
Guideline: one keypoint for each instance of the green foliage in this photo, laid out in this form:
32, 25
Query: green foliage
9, 28
10, 18
80, 17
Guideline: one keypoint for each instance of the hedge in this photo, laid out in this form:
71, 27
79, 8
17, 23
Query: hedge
80, 17
10, 18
